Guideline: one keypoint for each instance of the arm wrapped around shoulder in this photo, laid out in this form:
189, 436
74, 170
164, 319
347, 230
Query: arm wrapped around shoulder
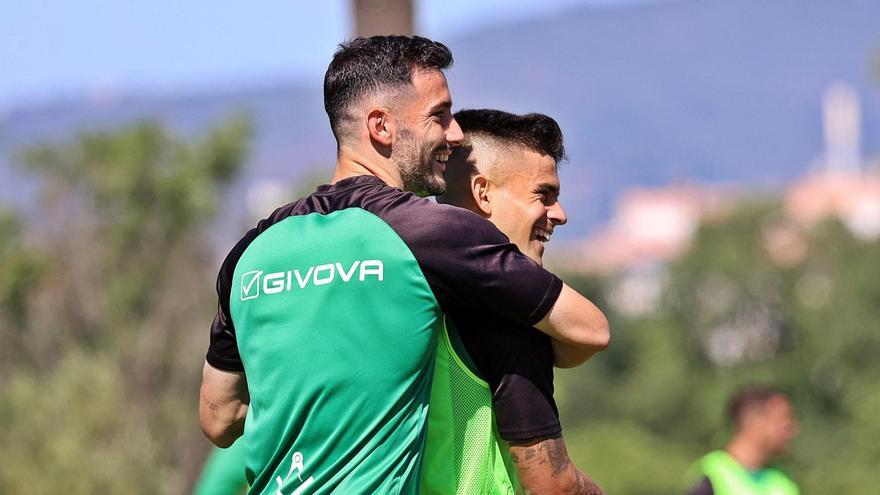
579, 329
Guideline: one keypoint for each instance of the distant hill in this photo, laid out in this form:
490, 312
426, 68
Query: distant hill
706, 91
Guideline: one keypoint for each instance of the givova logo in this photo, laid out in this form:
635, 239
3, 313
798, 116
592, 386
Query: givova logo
255, 282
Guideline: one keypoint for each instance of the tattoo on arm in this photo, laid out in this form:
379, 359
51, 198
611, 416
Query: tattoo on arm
557, 455
544, 467
584, 485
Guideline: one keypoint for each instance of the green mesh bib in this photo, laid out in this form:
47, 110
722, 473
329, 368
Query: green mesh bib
463, 454
729, 478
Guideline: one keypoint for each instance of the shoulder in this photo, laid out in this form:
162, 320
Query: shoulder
408, 214
703, 467
781, 476
696, 479
425, 218
715, 457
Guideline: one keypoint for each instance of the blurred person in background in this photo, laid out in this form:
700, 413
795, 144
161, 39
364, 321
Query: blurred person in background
223, 472
330, 308
493, 424
764, 425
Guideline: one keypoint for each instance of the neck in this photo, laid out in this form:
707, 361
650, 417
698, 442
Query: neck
351, 163
455, 197
747, 452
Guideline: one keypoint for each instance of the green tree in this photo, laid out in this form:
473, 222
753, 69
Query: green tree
758, 299
105, 310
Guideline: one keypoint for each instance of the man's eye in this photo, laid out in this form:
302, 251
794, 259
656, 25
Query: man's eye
546, 197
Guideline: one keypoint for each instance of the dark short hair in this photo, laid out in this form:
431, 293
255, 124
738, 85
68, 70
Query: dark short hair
363, 65
747, 399
534, 131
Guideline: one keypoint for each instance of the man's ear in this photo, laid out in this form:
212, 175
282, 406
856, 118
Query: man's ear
480, 194
381, 126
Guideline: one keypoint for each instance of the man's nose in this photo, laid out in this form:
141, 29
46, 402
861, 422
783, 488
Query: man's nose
454, 134
556, 214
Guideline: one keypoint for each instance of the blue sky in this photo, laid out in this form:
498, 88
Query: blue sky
53, 48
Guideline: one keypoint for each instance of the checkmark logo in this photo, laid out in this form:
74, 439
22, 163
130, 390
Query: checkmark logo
250, 285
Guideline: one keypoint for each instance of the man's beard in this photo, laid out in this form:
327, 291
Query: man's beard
416, 166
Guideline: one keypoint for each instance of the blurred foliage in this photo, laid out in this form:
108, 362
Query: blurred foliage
740, 308
105, 309
309, 180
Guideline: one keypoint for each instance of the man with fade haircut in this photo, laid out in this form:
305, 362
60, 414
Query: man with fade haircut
329, 310
492, 408
764, 425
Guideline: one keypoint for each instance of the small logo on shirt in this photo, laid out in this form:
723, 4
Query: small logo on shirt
255, 282
250, 285
297, 465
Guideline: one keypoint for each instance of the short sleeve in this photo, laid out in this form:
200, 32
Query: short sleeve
517, 363
523, 396
223, 349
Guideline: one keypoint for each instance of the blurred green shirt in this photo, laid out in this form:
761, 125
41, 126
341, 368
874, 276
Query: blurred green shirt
223, 473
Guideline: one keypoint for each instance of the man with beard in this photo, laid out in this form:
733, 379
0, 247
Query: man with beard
330, 308
493, 422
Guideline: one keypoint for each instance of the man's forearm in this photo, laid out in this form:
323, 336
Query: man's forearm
578, 323
223, 425
583, 485
223, 405
543, 467
594, 330
569, 356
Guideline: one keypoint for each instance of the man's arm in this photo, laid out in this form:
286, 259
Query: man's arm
223, 404
543, 467
470, 264
578, 328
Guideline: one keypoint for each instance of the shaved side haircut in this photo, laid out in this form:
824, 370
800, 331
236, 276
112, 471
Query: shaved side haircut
492, 139
365, 66
534, 131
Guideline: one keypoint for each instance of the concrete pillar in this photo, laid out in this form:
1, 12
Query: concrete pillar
374, 17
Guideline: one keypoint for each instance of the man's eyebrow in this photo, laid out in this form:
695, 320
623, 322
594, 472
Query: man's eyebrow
547, 187
443, 105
